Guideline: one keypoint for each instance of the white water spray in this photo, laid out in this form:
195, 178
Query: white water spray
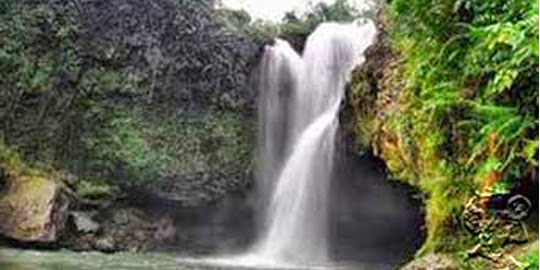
298, 108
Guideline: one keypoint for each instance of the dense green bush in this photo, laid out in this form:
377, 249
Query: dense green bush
470, 90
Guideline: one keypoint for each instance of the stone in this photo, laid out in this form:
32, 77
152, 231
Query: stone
32, 209
121, 217
105, 244
83, 222
432, 262
121, 229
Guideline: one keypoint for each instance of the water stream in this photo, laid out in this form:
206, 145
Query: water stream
299, 103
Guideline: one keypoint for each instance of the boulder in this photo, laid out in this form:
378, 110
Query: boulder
105, 244
32, 209
119, 229
84, 223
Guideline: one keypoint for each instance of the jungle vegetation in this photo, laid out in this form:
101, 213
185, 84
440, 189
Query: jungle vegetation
462, 89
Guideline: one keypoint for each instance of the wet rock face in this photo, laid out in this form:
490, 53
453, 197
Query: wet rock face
368, 98
33, 209
119, 229
176, 50
194, 73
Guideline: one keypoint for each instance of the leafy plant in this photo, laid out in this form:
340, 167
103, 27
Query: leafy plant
470, 98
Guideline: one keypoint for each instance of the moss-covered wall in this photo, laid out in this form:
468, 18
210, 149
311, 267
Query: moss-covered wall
129, 93
448, 99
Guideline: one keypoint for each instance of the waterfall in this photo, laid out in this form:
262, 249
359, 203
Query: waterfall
299, 100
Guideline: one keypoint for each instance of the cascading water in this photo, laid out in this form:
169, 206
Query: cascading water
298, 108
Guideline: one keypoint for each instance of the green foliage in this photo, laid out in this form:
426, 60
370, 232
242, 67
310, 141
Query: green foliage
141, 145
303, 25
118, 150
48, 90
93, 189
237, 21
35, 68
201, 145
529, 260
263, 29
46, 82
9, 159
362, 95
470, 95
15, 169
292, 23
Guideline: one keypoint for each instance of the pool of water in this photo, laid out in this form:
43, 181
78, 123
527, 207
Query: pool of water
373, 226
16, 259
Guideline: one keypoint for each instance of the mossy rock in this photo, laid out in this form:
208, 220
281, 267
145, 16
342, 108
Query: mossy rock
32, 209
